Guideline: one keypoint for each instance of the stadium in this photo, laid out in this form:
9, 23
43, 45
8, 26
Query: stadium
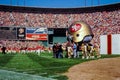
42, 27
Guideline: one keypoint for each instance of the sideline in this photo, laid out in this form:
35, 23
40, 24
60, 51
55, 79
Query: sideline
11, 75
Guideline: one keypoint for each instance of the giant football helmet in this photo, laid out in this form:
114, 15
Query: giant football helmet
80, 32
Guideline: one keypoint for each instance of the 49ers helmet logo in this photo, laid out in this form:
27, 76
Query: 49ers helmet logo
75, 28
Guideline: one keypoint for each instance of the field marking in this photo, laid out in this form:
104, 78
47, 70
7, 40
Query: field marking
11, 75
37, 68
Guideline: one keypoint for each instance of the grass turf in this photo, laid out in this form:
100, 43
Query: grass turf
10, 75
43, 65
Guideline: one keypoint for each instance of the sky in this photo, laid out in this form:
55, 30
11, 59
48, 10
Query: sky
58, 3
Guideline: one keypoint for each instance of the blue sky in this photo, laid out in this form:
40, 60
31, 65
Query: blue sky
58, 3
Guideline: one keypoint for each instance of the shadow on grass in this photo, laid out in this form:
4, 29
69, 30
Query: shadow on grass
51, 67
5, 58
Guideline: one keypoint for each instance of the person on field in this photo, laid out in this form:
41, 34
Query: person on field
90, 50
3, 50
74, 50
78, 50
84, 51
97, 50
69, 50
60, 51
54, 48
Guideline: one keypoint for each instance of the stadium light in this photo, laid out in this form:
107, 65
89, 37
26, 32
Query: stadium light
18, 2
91, 2
10, 2
85, 3
98, 2
24, 2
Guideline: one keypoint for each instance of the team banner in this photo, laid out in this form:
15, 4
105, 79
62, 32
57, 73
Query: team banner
36, 34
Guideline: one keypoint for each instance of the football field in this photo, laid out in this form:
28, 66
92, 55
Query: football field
33, 67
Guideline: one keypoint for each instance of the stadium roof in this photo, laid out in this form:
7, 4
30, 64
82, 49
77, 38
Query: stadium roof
60, 10
58, 3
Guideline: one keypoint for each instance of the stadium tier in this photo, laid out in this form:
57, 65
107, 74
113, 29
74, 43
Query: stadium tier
103, 20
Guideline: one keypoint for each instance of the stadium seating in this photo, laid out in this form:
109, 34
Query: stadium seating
103, 20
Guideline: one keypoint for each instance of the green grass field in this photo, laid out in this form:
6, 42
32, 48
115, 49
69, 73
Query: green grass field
33, 67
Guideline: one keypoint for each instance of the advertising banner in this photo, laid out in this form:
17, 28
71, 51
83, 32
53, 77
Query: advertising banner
36, 34
36, 30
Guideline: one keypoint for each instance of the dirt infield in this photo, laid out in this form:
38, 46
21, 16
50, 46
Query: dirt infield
102, 69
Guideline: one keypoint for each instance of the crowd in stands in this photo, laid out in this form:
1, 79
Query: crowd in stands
101, 22
95, 19
13, 46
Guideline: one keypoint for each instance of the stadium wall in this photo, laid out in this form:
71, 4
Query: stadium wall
110, 44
